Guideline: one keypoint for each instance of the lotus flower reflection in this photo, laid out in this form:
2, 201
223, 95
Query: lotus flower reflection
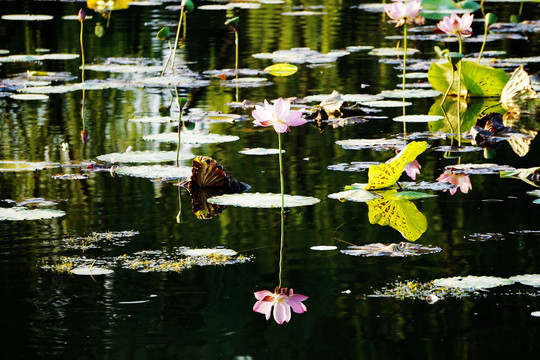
402, 13
412, 169
278, 115
454, 25
461, 181
282, 301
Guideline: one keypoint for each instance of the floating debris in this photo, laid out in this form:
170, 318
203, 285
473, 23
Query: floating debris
486, 237
417, 290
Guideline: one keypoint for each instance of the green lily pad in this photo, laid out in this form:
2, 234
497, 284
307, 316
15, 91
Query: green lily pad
27, 17
473, 282
162, 172
191, 138
29, 97
392, 51
323, 248
374, 144
259, 200
20, 213
351, 98
127, 69
301, 56
14, 165
144, 156
260, 151
410, 94
527, 279
386, 103
91, 271
477, 80
152, 119
418, 118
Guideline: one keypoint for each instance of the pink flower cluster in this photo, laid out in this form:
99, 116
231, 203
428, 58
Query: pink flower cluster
455, 25
402, 13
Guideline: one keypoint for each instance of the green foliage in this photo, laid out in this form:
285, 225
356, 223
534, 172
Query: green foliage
163, 34
476, 80
189, 5
233, 22
437, 9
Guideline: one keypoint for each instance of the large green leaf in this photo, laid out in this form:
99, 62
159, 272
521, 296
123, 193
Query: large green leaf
476, 80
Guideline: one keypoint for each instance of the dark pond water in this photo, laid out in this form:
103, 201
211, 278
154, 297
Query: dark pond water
205, 312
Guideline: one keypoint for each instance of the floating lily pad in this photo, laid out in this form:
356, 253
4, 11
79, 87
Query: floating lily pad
400, 250
91, 270
26, 58
27, 17
392, 51
535, 313
374, 144
127, 69
247, 82
352, 98
191, 138
425, 185
152, 119
408, 94
229, 6
486, 237
415, 75
324, 248
37, 202
196, 115
354, 195
260, 151
354, 166
258, 200
386, 103
20, 213
418, 118
208, 252
478, 169
473, 282
87, 85
144, 156
358, 48
461, 149
180, 81
534, 192
156, 171
281, 69
76, 17
301, 56
29, 97
416, 290
303, 13
8, 165
528, 279
70, 177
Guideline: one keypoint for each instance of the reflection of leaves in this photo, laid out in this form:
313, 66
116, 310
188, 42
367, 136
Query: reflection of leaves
468, 116
518, 89
385, 175
477, 80
400, 250
398, 213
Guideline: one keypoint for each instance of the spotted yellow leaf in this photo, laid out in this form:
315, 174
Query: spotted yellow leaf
384, 175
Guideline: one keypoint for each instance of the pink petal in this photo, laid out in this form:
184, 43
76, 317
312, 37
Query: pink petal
282, 312
262, 117
260, 295
263, 307
281, 127
296, 305
281, 108
294, 118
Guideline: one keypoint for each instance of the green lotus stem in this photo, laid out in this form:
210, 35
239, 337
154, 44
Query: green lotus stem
459, 93
404, 54
236, 52
168, 59
185, 27
82, 109
179, 215
484, 43
177, 37
282, 233
180, 125
82, 50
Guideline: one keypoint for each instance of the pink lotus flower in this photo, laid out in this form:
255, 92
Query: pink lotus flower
402, 13
278, 115
282, 300
412, 169
456, 25
461, 181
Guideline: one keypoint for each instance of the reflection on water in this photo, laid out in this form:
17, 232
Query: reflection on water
206, 312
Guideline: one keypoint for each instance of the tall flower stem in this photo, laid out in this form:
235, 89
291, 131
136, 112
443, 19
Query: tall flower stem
177, 38
404, 73
82, 51
282, 233
459, 93
236, 61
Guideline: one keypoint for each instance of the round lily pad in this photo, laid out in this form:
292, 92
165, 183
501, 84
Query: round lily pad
355, 166
14, 165
324, 248
386, 103
528, 279
156, 171
152, 119
354, 195
374, 144
393, 250
91, 270
535, 313
144, 156
392, 51
479, 169
70, 177
473, 282
352, 98
410, 93
20, 213
29, 97
260, 151
27, 17
191, 138
120, 68
258, 200
418, 118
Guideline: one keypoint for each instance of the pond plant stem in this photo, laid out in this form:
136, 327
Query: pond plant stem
282, 232
177, 37
459, 92
404, 73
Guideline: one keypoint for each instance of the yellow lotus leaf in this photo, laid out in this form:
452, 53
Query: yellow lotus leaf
105, 6
384, 175
281, 69
400, 214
